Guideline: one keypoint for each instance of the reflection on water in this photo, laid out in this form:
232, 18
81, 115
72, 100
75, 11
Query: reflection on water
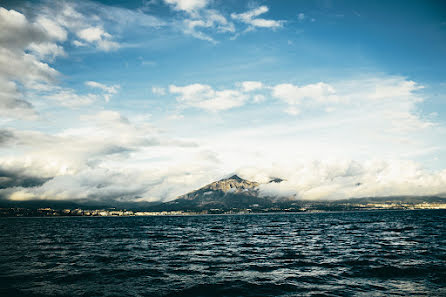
324, 254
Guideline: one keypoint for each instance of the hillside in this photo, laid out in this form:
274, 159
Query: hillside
227, 193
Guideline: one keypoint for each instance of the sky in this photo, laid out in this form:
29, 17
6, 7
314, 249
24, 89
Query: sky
146, 100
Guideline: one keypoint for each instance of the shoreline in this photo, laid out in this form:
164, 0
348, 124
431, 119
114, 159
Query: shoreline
227, 214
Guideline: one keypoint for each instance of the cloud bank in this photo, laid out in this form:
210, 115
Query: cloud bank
111, 157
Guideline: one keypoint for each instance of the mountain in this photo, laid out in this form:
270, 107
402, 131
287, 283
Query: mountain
227, 193
237, 193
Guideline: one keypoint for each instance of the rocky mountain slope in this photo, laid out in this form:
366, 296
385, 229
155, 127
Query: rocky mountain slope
227, 193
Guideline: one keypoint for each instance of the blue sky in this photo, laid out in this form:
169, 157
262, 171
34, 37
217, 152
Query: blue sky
168, 95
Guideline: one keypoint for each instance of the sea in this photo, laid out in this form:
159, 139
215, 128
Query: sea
382, 253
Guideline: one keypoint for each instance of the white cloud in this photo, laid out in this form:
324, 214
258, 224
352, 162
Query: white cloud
351, 179
17, 35
294, 95
202, 22
190, 28
65, 17
25, 68
108, 90
92, 34
341, 154
128, 18
78, 43
292, 110
90, 162
301, 16
12, 102
250, 18
28, 44
249, 86
47, 51
394, 97
258, 98
394, 88
206, 19
69, 98
187, 5
158, 91
205, 97
53, 29
19, 68
17, 32
96, 35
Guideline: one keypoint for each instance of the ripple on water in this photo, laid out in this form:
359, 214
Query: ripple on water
331, 254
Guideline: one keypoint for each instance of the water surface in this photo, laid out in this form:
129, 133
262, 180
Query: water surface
400, 253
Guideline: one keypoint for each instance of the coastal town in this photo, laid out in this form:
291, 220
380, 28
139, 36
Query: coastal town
310, 207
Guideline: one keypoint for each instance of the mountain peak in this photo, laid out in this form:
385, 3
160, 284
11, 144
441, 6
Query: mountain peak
226, 193
276, 180
233, 184
234, 177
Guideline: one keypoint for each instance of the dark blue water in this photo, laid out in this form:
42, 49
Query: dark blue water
400, 253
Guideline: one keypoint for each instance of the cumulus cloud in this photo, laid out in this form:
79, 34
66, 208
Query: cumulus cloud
390, 102
205, 97
53, 29
17, 31
97, 36
89, 28
47, 51
249, 86
393, 99
18, 66
11, 101
294, 95
90, 162
395, 87
187, 5
251, 18
29, 44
